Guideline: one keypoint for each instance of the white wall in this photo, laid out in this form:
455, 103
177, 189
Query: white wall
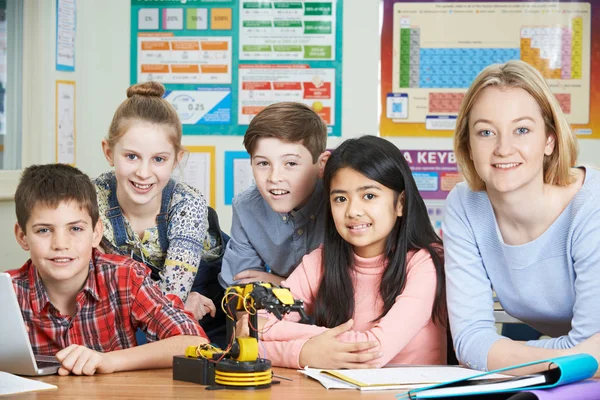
102, 76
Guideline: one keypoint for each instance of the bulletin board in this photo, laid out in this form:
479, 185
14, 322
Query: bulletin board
198, 169
429, 58
223, 61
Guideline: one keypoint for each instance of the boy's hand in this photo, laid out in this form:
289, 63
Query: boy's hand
80, 360
200, 305
325, 351
251, 275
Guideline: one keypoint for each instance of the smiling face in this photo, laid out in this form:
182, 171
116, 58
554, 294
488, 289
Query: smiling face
143, 159
364, 211
284, 173
60, 242
508, 139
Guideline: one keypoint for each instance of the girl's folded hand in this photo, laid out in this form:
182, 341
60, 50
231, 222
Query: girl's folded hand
338, 354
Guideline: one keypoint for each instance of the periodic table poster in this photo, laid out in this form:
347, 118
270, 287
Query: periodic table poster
432, 51
223, 61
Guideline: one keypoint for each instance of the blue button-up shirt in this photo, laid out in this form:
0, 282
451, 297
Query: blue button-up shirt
261, 237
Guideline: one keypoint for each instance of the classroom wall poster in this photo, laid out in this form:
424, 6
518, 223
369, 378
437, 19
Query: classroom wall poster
222, 61
261, 85
197, 169
238, 174
64, 135
429, 58
66, 28
435, 173
435, 210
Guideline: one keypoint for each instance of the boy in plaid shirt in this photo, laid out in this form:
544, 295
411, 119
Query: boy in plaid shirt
80, 304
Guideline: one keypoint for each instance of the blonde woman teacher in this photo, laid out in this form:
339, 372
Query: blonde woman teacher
526, 224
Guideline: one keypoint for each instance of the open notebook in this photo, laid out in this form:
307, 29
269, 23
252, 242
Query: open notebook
395, 378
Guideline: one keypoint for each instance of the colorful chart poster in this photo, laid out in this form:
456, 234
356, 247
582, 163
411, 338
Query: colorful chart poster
66, 23
211, 55
429, 58
287, 30
203, 106
435, 172
64, 137
261, 85
184, 59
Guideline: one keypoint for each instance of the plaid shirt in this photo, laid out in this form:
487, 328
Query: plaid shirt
118, 298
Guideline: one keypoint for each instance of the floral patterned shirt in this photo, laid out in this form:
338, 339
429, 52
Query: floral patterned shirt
186, 233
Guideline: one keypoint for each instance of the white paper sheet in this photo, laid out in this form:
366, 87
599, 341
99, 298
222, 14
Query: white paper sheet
12, 384
409, 377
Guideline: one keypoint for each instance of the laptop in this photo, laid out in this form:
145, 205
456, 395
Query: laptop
16, 355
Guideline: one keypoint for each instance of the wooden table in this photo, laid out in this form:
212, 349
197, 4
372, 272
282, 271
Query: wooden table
159, 384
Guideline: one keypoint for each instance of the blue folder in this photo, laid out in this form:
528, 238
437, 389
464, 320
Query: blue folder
573, 368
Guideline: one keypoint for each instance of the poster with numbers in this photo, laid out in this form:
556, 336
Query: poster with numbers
223, 61
429, 58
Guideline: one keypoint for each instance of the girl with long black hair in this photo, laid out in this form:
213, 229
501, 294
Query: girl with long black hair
376, 287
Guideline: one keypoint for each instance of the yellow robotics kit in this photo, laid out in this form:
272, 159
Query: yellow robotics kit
238, 366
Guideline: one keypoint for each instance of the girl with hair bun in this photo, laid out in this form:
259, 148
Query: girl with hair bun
149, 216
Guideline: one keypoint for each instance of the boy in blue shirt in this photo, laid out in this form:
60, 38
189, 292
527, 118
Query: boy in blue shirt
280, 218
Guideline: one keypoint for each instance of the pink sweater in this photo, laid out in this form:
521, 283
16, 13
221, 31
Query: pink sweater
406, 333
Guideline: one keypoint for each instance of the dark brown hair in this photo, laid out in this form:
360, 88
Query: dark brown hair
145, 104
291, 122
381, 161
50, 185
